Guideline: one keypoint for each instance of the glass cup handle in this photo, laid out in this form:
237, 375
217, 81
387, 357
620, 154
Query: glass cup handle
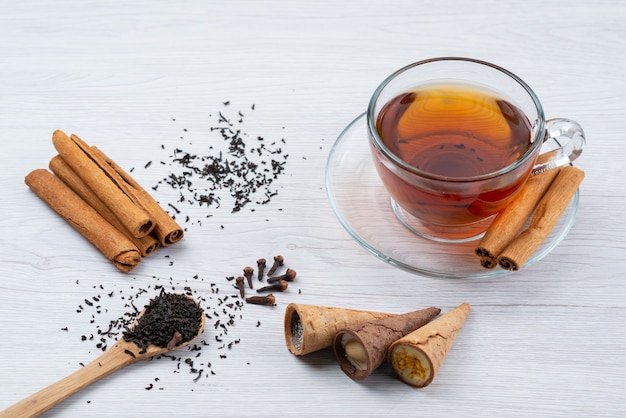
563, 144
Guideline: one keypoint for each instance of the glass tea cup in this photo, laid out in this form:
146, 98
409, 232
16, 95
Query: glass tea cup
454, 139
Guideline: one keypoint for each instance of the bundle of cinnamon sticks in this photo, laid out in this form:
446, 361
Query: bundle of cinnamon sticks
545, 197
103, 202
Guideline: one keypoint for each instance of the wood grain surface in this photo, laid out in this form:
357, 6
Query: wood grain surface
142, 79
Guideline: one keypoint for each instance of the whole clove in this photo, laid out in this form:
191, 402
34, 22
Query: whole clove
268, 300
248, 272
241, 286
290, 276
278, 261
261, 266
280, 286
176, 338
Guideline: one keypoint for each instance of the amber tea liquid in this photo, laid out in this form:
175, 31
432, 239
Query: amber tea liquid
454, 131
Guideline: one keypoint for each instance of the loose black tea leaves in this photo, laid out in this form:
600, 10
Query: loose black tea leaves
229, 164
169, 320
222, 310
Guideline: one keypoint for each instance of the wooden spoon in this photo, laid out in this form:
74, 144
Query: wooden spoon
121, 354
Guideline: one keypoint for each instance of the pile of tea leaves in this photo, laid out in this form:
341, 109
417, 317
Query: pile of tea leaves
168, 318
125, 303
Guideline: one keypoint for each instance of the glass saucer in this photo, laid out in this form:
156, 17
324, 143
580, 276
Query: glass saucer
364, 208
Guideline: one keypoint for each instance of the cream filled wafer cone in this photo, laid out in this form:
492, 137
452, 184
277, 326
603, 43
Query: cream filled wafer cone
309, 328
361, 349
416, 357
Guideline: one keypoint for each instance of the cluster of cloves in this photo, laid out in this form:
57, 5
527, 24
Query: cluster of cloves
275, 283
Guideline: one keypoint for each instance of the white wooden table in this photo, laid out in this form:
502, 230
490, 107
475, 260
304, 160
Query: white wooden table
140, 79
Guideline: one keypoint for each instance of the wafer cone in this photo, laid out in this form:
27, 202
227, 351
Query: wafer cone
417, 357
362, 348
309, 328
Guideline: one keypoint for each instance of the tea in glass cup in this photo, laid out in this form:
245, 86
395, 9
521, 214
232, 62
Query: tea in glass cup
453, 141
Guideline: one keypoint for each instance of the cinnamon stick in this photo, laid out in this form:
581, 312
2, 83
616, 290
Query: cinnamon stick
547, 214
106, 238
512, 218
93, 171
64, 172
166, 229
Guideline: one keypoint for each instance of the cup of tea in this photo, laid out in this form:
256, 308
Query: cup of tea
454, 139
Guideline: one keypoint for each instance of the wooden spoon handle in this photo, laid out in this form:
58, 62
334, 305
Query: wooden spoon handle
121, 354
113, 359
